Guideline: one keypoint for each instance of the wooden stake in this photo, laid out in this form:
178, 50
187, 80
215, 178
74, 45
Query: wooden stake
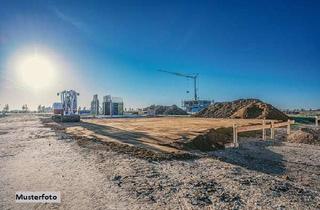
272, 130
288, 128
317, 123
235, 136
264, 130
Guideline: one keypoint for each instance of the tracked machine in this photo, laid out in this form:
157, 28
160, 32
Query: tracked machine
66, 111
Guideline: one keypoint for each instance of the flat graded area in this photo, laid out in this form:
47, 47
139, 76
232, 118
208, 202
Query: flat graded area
38, 155
151, 133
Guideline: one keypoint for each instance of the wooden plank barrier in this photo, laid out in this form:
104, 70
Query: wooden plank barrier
253, 128
272, 126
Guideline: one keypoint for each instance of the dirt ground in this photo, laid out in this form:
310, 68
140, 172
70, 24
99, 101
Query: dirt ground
90, 173
155, 134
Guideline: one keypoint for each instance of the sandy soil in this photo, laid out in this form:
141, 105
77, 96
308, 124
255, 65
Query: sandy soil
92, 174
152, 133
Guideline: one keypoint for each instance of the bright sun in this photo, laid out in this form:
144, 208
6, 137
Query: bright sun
36, 71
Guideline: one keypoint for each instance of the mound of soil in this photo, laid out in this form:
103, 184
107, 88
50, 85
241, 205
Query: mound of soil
211, 140
167, 110
305, 136
66, 118
242, 109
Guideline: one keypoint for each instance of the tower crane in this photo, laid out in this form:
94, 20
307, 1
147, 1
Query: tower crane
191, 76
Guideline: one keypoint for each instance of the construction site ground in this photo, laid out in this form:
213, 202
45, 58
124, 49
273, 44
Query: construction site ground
126, 164
155, 134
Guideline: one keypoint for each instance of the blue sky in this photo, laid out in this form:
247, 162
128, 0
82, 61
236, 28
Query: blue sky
258, 49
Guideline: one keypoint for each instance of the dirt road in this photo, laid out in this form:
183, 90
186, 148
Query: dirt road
93, 175
32, 158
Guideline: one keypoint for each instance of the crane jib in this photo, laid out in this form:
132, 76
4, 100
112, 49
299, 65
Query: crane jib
194, 77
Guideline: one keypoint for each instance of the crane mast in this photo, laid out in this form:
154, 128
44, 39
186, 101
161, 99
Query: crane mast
191, 76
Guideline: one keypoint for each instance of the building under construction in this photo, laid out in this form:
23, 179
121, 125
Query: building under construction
95, 105
112, 105
194, 105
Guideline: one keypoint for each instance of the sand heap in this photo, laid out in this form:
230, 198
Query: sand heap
243, 109
167, 110
305, 136
211, 140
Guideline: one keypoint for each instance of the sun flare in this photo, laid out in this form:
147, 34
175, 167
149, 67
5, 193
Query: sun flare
36, 71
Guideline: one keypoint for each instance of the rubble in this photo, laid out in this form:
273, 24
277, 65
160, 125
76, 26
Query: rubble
305, 135
242, 109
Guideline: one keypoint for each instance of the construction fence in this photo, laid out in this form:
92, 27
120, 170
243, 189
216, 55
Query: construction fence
266, 124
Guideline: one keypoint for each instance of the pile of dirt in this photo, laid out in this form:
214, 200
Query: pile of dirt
242, 109
305, 136
211, 140
66, 118
166, 110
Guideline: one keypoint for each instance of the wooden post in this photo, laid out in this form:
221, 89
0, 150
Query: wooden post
288, 128
264, 130
235, 136
317, 123
272, 130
